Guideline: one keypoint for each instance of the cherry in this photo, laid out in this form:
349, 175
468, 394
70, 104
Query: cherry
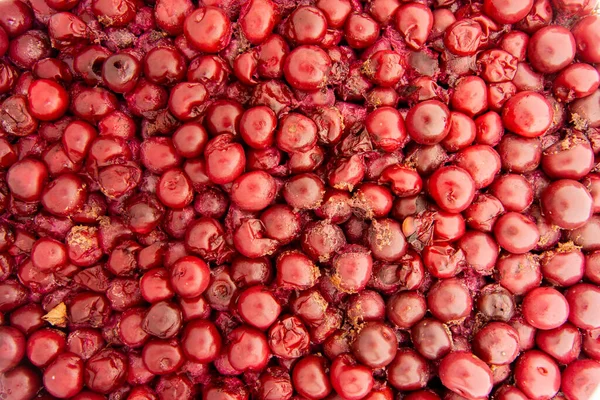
350, 379
585, 32
545, 308
567, 204
514, 192
120, 72
288, 338
64, 377
562, 343
496, 343
386, 128
507, 11
462, 38
543, 47
516, 233
579, 298
258, 307
579, 378
114, 13
519, 111
30, 47
449, 300
431, 338
248, 349
309, 377
26, 178
360, 30
428, 122
482, 162
201, 341
470, 97
253, 191
13, 346
414, 21
452, 188
211, 25
472, 378
170, 15
375, 345
162, 357
48, 255
537, 375
64, 195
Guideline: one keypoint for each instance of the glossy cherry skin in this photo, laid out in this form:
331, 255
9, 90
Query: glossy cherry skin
47, 100
190, 277
253, 191
449, 300
527, 114
208, 29
13, 346
585, 33
201, 341
352, 380
257, 20
581, 314
545, 308
567, 204
516, 233
120, 72
453, 180
162, 357
306, 25
64, 377
428, 122
25, 179
562, 343
537, 375
466, 375
310, 379
507, 11
375, 345
257, 307
431, 338
248, 349
543, 50
578, 379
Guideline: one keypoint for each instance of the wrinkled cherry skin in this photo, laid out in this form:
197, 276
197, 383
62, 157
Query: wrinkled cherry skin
414, 21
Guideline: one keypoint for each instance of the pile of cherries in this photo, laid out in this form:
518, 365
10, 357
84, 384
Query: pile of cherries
299, 199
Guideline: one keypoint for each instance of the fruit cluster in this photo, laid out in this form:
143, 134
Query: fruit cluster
299, 199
